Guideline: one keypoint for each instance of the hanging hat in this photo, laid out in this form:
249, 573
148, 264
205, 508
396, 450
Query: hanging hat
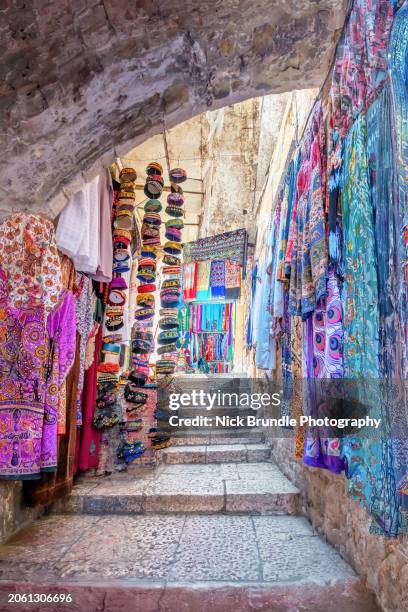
127, 174
140, 334
146, 288
142, 347
168, 336
170, 299
120, 267
154, 186
143, 314
118, 283
149, 230
149, 251
133, 425
174, 211
167, 348
173, 271
153, 218
127, 185
154, 168
117, 297
145, 300
146, 275
168, 312
122, 233
173, 248
170, 283
126, 195
175, 188
120, 242
171, 260
151, 241
177, 175
129, 451
147, 262
175, 199
124, 221
114, 323
125, 207
174, 234
177, 223
165, 366
153, 206
169, 323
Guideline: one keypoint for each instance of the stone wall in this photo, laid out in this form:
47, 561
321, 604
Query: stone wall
13, 513
382, 562
85, 81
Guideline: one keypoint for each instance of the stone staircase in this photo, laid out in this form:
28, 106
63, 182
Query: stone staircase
215, 527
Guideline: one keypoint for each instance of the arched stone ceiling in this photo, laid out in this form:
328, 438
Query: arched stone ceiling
84, 81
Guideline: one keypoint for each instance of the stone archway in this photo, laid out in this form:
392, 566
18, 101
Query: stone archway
83, 82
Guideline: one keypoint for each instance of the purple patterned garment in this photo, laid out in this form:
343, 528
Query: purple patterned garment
23, 354
324, 360
61, 329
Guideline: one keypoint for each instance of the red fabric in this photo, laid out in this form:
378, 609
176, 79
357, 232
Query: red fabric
88, 438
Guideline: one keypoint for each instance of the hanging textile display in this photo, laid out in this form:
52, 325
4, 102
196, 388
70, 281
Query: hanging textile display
335, 269
37, 329
230, 245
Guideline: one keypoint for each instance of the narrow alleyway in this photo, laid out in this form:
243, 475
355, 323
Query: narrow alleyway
215, 527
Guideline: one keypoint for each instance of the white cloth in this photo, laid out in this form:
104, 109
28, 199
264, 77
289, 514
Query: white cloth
78, 230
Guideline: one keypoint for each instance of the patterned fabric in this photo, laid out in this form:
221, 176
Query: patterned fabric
398, 54
30, 261
232, 280
203, 280
61, 330
85, 324
189, 281
360, 67
230, 245
325, 356
23, 359
365, 458
217, 278
309, 255
287, 199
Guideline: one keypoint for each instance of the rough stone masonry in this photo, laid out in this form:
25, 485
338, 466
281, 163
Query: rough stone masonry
84, 81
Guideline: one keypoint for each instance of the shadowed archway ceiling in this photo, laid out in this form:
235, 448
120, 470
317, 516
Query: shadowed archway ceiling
84, 82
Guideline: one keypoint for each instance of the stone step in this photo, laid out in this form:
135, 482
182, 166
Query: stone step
256, 488
186, 439
191, 563
220, 453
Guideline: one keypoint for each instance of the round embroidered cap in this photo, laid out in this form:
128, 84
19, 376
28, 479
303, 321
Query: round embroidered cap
142, 314
175, 199
171, 260
127, 174
174, 211
168, 336
168, 323
154, 168
153, 218
153, 206
177, 175
171, 247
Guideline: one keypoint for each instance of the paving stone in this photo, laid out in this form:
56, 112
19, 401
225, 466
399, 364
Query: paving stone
223, 453
185, 454
193, 494
262, 495
217, 548
258, 452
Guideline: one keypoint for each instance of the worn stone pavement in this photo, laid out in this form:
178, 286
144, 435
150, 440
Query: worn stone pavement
208, 530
